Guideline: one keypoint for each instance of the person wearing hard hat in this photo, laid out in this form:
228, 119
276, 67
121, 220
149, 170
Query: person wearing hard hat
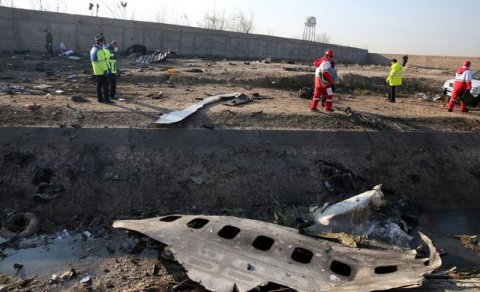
394, 78
323, 82
101, 69
463, 82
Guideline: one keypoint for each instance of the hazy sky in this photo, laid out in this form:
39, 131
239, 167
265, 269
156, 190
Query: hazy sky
424, 27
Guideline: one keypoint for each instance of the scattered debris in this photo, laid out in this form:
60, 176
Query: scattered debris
197, 179
67, 276
86, 235
55, 279
62, 234
156, 57
295, 69
364, 119
470, 241
241, 99
48, 192
355, 208
17, 267
13, 89
194, 70
352, 221
177, 116
42, 86
226, 253
156, 96
425, 97
305, 92
172, 71
78, 98
19, 224
341, 180
87, 281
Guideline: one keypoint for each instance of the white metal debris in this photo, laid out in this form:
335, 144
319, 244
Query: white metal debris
222, 252
177, 116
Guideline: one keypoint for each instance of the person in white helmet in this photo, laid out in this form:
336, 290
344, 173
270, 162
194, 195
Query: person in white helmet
463, 82
323, 82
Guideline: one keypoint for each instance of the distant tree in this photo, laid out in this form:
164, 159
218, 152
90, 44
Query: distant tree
323, 38
118, 10
60, 6
243, 23
37, 4
211, 20
161, 16
183, 20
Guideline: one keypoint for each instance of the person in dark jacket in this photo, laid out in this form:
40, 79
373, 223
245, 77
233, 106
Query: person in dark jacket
115, 72
49, 42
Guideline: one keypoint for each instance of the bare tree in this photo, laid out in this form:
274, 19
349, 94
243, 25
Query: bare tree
60, 6
243, 23
37, 4
161, 16
323, 38
183, 20
118, 10
212, 20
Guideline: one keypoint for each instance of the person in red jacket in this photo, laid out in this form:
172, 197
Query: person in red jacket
463, 82
323, 82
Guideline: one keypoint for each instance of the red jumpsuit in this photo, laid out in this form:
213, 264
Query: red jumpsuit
323, 83
463, 82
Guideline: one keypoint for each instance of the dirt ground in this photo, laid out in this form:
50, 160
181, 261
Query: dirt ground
38, 91
147, 92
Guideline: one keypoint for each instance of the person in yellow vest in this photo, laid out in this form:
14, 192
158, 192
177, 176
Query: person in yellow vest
101, 69
394, 79
112, 59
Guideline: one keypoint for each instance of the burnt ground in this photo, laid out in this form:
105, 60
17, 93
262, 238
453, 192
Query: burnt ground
57, 93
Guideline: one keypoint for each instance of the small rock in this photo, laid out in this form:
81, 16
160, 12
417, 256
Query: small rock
32, 106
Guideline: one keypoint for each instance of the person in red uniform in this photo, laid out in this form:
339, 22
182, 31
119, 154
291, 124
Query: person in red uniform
323, 82
463, 82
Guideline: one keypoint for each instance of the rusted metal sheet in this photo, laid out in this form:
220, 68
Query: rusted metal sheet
177, 116
222, 252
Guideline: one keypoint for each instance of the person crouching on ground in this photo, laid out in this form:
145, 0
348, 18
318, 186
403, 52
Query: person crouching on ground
112, 60
323, 82
101, 69
394, 79
463, 82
